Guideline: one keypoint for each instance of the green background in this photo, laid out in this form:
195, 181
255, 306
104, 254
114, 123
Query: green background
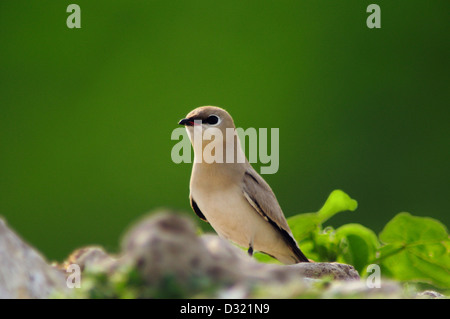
86, 114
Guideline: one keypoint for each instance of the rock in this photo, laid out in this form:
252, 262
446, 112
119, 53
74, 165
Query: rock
430, 294
24, 273
91, 258
360, 289
167, 244
337, 271
162, 256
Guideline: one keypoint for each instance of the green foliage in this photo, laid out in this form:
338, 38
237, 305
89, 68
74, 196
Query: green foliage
128, 283
358, 245
317, 243
416, 249
409, 248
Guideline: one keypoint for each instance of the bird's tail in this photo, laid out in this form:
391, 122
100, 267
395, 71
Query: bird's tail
299, 255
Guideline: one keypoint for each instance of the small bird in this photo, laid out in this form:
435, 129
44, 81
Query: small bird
231, 195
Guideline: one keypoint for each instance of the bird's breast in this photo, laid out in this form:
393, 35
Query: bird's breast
227, 211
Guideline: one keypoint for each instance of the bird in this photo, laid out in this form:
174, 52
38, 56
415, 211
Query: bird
230, 195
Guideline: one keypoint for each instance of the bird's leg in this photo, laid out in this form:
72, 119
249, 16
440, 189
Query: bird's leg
250, 249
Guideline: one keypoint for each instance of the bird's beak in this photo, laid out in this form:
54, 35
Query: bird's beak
186, 122
190, 122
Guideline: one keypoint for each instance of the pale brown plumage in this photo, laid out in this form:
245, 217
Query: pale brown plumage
235, 199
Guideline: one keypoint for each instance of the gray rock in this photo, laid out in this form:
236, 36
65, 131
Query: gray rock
430, 294
337, 271
360, 289
168, 244
24, 273
91, 258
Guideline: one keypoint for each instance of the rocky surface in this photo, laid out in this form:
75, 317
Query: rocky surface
169, 243
24, 273
163, 256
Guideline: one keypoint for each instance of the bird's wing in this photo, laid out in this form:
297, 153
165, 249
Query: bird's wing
261, 197
196, 209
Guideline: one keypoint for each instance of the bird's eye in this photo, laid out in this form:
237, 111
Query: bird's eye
212, 120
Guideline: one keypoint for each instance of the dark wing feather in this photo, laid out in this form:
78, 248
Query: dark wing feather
196, 209
261, 197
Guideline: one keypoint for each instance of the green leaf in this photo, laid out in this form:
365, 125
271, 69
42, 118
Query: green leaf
337, 202
318, 244
303, 225
357, 246
261, 257
405, 228
407, 265
417, 249
325, 245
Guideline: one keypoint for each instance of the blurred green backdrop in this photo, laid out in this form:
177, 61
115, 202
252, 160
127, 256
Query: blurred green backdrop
86, 114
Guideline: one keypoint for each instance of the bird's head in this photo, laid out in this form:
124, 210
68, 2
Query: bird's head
215, 127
